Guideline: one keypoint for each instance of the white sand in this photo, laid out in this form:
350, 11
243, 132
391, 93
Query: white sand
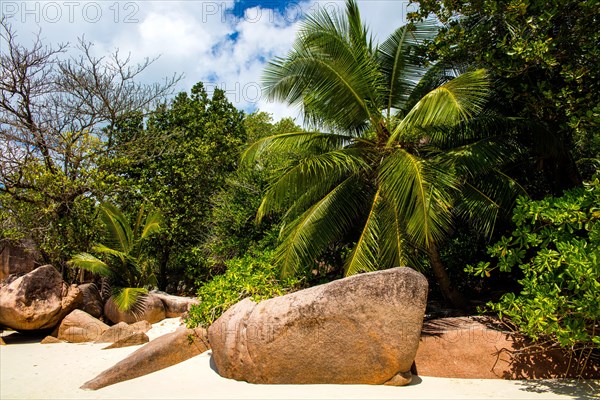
56, 371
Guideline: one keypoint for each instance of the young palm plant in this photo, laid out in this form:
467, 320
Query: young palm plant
389, 165
122, 259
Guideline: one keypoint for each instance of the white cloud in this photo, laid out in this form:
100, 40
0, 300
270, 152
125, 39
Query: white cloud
201, 39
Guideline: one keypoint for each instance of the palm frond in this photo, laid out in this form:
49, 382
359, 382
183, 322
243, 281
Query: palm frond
482, 201
402, 67
487, 124
130, 299
331, 72
396, 249
293, 142
363, 257
450, 104
324, 222
321, 170
139, 219
154, 221
422, 193
118, 232
102, 249
90, 263
481, 157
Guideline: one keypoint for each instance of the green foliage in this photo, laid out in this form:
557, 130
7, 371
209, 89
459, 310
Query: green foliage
178, 162
122, 257
556, 245
253, 275
53, 206
400, 157
233, 227
544, 56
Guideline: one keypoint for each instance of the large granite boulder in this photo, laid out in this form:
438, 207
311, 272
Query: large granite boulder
162, 352
80, 327
359, 330
154, 311
38, 300
92, 301
175, 306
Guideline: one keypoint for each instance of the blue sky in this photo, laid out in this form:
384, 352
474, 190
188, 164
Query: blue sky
223, 43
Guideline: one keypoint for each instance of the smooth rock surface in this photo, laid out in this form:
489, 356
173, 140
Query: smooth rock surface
17, 259
167, 350
38, 300
364, 329
154, 311
133, 339
80, 327
175, 306
92, 301
482, 348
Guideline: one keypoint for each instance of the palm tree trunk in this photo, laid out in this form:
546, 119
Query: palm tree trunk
450, 293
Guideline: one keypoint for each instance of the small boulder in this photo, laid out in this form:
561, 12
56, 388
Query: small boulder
140, 326
154, 311
133, 339
51, 340
123, 330
80, 327
92, 301
38, 300
175, 306
363, 329
162, 352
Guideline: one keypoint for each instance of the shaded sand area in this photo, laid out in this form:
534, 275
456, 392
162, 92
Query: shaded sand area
30, 370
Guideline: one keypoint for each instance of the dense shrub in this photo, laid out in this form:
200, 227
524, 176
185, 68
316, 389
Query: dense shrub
556, 245
252, 275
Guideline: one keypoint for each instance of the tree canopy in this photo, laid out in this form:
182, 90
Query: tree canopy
544, 56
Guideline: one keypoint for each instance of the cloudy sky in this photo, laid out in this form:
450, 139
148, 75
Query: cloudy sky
223, 43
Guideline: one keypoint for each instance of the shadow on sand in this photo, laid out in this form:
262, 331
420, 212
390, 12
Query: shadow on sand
577, 389
12, 337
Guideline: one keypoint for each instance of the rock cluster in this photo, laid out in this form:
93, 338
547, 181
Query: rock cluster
41, 299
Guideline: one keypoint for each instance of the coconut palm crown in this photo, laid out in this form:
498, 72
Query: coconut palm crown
393, 160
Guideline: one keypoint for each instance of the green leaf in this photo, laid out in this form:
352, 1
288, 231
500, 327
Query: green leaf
130, 299
90, 263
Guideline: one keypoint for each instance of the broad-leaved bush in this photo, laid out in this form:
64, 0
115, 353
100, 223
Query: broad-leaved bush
556, 245
252, 275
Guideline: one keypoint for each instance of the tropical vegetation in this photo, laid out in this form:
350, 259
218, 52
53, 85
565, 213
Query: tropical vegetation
406, 150
250, 276
556, 246
414, 151
543, 56
122, 259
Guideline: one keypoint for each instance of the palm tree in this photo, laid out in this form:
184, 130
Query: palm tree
123, 262
396, 159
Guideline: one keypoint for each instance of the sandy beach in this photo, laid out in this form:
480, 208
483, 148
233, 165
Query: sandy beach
30, 370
